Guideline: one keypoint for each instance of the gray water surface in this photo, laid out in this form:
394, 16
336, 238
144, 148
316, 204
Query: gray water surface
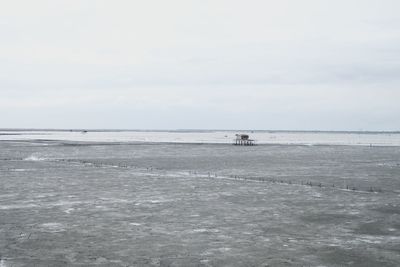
87, 204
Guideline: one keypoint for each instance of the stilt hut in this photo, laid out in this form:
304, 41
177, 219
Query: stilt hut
243, 140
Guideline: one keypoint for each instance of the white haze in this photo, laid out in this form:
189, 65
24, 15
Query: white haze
295, 65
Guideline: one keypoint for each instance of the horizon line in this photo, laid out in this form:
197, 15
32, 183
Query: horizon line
191, 130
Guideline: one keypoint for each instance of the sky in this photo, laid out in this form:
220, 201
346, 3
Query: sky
209, 64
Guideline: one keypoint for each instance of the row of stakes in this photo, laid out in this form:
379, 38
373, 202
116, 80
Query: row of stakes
309, 183
236, 177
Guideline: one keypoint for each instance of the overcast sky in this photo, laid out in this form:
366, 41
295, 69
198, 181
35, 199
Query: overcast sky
217, 64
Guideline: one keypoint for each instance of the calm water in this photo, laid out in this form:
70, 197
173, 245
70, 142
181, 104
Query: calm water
221, 137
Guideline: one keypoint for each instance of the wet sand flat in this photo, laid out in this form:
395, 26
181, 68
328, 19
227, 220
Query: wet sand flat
85, 204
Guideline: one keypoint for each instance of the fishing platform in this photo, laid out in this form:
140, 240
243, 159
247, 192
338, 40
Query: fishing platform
243, 140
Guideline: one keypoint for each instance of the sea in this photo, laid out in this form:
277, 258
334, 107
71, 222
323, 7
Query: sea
209, 136
191, 198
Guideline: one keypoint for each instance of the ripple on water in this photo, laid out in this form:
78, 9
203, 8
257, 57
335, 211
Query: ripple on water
53, 227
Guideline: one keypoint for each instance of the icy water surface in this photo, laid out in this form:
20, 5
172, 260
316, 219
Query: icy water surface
106, 204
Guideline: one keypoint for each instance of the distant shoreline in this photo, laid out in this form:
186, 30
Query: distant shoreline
193, 130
